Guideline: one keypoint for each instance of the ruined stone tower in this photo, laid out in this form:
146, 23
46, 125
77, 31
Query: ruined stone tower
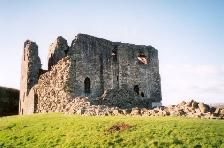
57, 51
31, 66
108, 73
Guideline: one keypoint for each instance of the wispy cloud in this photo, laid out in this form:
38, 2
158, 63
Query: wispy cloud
200, 82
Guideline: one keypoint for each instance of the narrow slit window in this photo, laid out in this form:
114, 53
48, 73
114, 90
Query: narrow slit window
35, 102
114, 54
136, 89
87, 85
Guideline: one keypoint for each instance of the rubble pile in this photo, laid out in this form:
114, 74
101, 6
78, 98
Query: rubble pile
192, 109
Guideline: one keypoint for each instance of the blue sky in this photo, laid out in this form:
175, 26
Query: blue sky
188, 34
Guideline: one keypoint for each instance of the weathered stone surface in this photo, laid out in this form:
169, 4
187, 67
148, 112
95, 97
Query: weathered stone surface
30, 72
217, 111
57, 51
111, 65
203, 107
80, 111
82, 106
194, 104
212, 109
97, 77
108, 73
189, 104
123, 98
135, 111
117, 112
221, 112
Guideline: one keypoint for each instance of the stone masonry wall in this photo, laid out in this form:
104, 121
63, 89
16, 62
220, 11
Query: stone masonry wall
111, 65
107, 73
57, 51
133, 73
91, 60
30, 68
52, 89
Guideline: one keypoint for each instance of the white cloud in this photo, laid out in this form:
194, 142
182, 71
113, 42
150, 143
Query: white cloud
200, 82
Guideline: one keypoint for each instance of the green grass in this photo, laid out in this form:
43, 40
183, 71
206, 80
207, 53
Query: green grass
59, 130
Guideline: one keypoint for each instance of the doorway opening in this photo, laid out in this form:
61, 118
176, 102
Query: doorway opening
35, 102
87, 85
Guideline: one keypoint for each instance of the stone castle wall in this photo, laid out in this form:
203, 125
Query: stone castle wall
133, 73
111, 65
30, 69
91, 60
106, 72
57, 51
51, 92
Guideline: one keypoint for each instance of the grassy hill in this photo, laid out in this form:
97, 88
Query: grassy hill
59, 130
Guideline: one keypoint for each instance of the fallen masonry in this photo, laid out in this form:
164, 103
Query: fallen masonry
191, 109
97, 77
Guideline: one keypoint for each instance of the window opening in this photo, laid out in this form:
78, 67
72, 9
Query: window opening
142, 59
87, 85
136, 89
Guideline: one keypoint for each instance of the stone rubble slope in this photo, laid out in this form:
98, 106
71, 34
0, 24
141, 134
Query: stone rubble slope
193, 109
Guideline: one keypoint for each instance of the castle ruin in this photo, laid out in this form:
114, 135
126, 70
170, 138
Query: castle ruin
105, 72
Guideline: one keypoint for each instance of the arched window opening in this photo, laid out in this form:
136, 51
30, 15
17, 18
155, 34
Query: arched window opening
142, 59
87, 85
136, 89
35, 102
142, 94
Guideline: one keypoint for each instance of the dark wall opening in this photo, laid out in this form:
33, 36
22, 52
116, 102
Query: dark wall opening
87, 85
35, 102
142, 59
136, 89
114, 54
142, 94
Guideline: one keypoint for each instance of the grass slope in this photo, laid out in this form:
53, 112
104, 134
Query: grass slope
59, 130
